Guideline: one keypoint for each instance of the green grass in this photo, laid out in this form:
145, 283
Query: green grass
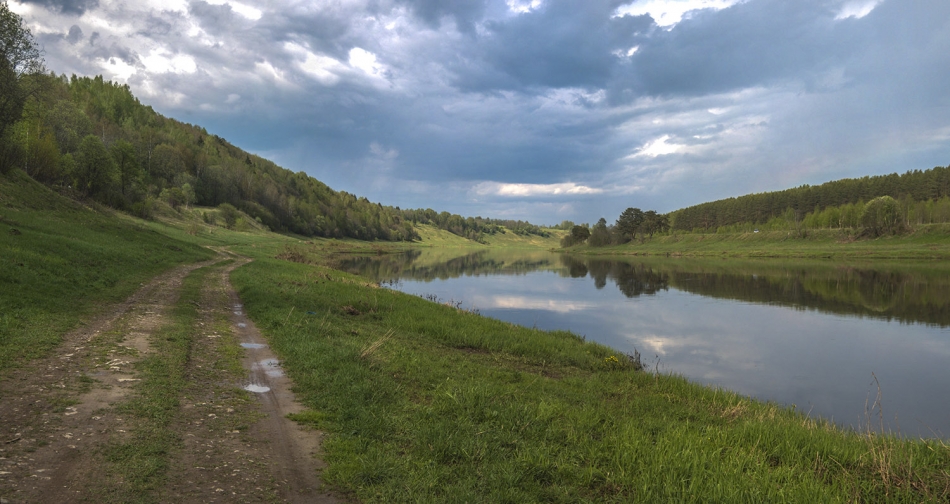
60, 262
431, 236
424, 403
925, 242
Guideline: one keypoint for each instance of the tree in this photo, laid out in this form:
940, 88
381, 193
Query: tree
130, 171
229, 214
189, 194
20, 59
882, 215
654, 222
173, 196
95, 171
629, 222
166, 162
579, 234
599, 235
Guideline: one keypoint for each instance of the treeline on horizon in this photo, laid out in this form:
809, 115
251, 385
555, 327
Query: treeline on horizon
91, 138
871, 205
920, 196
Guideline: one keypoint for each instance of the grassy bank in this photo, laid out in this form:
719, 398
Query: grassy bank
425, 403
925, 242
61, 262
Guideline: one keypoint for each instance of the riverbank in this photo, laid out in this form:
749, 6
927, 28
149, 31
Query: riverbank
925, 242
423, 402
428, 402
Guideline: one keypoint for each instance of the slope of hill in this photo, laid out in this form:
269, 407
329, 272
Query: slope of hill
93, 139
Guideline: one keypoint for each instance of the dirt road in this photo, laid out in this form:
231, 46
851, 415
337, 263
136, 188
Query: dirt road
62, 416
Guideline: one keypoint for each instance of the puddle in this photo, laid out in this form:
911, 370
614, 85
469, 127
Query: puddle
254, 346
238, 306
238, 312
271, 368
257, 389
241, 324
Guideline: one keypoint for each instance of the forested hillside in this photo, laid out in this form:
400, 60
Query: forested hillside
93, 139
913, 190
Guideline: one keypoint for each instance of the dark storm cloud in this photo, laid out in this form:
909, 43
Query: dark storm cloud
564, 43
74, 35
465, 13
74, 7
751, 44
445, 104
155, 26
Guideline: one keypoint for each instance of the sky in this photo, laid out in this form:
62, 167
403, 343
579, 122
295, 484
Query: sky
541, 110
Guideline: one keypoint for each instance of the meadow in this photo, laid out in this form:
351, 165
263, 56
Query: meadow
423, 402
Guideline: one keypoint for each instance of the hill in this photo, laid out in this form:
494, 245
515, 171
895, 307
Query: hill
834, 204
93, 139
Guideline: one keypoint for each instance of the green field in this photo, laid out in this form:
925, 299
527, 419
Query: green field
422, 402
930, 241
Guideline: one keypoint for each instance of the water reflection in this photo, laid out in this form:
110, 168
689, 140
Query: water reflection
907, 292
809, 333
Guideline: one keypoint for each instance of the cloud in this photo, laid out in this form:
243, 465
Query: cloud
161, 60
323, 68
857, 9
74, 35
72, 7
523, 6
533, 190
657, 147
667, 13
464, 13
242, 9
535, 109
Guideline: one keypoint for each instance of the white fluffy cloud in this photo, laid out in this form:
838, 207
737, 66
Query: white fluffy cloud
533, 190
667, 13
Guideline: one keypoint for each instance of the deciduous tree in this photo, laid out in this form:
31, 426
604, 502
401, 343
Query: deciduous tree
20, 58
95, 171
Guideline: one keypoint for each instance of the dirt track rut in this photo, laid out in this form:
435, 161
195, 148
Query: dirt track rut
58, 414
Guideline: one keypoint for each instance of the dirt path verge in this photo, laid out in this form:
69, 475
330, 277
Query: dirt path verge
237, 444
58, 415
55, 413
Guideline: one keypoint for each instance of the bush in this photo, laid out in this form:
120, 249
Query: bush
882, 216
229, 214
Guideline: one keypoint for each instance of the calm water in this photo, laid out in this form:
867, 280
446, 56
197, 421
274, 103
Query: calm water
810, 334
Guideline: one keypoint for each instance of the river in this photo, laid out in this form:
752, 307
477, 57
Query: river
864, 344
